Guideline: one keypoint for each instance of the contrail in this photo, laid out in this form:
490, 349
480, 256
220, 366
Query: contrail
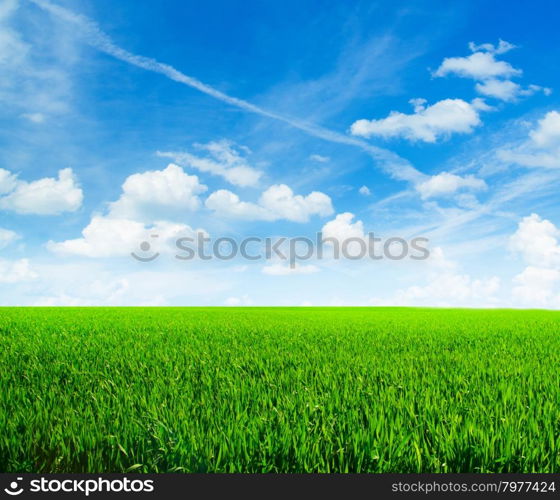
393, 164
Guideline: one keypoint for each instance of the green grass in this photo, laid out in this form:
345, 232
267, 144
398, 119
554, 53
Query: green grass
279, 390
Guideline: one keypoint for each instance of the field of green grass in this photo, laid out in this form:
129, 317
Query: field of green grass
279, 390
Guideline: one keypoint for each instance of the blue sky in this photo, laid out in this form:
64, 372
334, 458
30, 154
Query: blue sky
434, 119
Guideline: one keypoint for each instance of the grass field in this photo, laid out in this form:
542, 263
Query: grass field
279, 390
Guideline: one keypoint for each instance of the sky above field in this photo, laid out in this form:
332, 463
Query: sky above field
129, 122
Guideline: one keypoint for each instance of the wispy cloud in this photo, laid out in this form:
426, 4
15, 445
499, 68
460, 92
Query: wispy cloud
222, 158
390, 162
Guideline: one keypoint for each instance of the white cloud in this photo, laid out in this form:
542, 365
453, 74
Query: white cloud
426, 123
8, 181
493, 76
100, 283
319, 158
447, 286
478, 66
280, 199
538, 285
542, 149
286, 270
7, 237
342, 228
223, 159
16, 271
147, 202
450, 289
277, 202
47, 196
364, 190
547, 133
481, 105
158, 194
94, 36
506, 90
536, 239
501, 48
109, 237
445, 184
108, 291
228, 204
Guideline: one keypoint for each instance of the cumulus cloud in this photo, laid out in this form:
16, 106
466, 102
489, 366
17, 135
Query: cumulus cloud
506, 90
108, 237
277, 202
228, 204
158, 194
542, 148
222, 159
364, 191
493, 75
547, 133
536, 240
47, 196
426, 124
15, 271
342, 228
148, 202
280, 199
478, 66
445, 184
